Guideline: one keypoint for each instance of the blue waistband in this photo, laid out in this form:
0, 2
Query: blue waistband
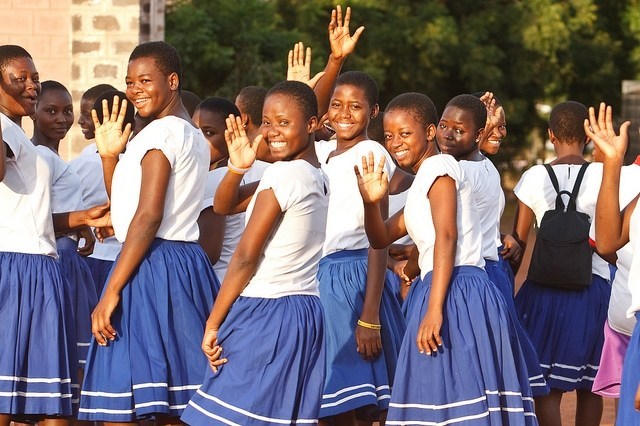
66, 243
461, 270
344, 255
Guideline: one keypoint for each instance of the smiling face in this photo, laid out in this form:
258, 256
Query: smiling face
148, 89
84, 119
491, 146
19, 88
405, 137
285, 128
350, 112
457, 134
213, 126
54, 114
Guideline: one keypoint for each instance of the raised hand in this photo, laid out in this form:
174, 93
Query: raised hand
493, 113
299, 66
372, 183
111, 138
601, 131
341, 41
242, 153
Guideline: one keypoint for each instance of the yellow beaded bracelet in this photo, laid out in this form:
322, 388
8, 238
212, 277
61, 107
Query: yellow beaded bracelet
369, 326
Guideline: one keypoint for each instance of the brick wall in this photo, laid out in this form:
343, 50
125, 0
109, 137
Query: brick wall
80, 43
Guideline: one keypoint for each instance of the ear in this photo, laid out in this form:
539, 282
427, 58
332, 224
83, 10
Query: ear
245, 119
479, 135
374, 111
431, 132
174, 81
552, 137
312, 124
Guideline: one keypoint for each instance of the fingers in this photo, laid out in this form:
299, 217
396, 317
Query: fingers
94, 117
381, 163
127, 132
256, 142
105, 111
356, 35
338, 16
290, 59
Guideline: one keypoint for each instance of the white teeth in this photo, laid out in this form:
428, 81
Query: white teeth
278, 144
401, 153
140, 101
344, 125
494, 142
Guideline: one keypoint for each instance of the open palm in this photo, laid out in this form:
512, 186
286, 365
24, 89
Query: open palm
341, 41
242, 153
601, 131
373, 182
111, 138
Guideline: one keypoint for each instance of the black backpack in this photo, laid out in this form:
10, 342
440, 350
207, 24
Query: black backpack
561, 256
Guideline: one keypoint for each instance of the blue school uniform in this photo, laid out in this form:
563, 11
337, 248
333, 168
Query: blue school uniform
38, 354
155, 363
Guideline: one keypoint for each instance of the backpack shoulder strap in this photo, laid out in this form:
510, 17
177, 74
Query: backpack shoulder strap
576, 186
552, 176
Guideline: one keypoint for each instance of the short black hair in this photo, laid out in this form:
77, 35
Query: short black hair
473, 105
51, 85
165, 55
566, 121
300, 93
108, 95
250, 101
93, 92
190, 101
10, 52
217, 105
417, 104
363, 81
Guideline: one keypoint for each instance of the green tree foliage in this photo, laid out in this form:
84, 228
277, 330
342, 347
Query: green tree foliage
528, 53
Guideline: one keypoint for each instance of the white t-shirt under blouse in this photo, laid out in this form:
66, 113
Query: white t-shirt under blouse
234, 223
289, 264
25, 197
487, 191
536, 191
419, 221
345, 222
187, 151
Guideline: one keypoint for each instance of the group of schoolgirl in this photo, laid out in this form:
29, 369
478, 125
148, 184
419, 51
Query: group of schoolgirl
302, 321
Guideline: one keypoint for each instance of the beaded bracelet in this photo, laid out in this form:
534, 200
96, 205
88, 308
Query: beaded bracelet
236, 170
369, 326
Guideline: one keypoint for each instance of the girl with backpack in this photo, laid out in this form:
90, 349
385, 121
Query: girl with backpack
565, 325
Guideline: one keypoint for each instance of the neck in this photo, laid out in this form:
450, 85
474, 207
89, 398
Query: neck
40, 139
430, 151
308, 154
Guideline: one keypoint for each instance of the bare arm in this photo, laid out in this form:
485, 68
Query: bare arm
230, 198
242, 267
142, 231
612, 225
373, 185
212, 229
443, 199
524, 218
342, 45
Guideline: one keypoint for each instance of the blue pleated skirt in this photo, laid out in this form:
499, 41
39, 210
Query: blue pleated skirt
566, 328
627, 414
500, 279
275, 369
82, 293
352, 382
38, 363
506, 267
478, 376
155, 363
99, 271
